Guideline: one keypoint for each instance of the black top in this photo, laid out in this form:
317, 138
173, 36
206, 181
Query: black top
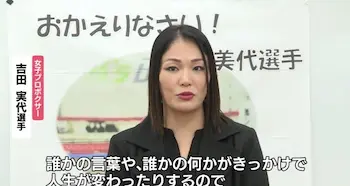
171, 147
235, 140
172, 150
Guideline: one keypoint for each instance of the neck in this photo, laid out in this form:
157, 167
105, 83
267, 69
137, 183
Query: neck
184, 122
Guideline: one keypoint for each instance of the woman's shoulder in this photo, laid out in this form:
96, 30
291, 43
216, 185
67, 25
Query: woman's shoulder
238, 127
241, 134
136, 134
124, 135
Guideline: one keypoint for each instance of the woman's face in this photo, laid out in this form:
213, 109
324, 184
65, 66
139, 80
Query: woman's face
182, 77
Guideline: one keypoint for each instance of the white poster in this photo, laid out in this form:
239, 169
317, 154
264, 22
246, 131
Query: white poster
86, 65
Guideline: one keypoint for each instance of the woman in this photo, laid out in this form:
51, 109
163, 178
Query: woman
184, 120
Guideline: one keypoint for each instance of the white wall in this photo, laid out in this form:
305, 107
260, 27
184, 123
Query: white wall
330, 92
4, 125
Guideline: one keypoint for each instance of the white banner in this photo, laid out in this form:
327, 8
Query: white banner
96, 59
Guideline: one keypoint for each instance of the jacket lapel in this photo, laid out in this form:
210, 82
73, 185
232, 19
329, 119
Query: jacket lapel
145, 137
216, 146
150, 144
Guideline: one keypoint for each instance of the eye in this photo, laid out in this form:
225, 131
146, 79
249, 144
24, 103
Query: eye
198, 68
172, 68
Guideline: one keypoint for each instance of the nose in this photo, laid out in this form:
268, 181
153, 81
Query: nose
185, 79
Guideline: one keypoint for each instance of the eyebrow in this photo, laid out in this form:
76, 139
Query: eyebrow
178, 61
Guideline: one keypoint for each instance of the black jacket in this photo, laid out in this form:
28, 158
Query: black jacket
235, 140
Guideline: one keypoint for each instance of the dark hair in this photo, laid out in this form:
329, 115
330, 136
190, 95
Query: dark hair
212, 112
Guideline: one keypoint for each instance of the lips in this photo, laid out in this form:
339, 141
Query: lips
186, 96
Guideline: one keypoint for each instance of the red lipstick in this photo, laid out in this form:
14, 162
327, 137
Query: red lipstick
186, 96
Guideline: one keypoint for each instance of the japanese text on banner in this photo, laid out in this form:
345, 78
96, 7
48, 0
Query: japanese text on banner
38, 88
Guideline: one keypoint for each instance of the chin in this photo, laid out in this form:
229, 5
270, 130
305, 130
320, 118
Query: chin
187, 108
